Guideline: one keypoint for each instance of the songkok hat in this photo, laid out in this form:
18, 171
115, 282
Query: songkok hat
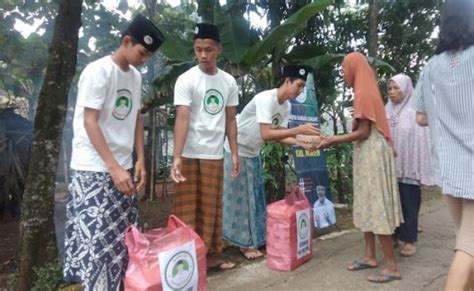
206, 30
296, 71
145, 33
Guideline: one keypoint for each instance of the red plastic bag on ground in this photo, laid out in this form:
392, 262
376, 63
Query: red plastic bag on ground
289, 232
171, 258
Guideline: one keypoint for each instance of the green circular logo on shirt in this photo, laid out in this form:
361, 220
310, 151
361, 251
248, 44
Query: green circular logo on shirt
276, 120
213, 101
123, 104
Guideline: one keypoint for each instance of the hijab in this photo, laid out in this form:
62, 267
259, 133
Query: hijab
367, 103
412, 142
395, 109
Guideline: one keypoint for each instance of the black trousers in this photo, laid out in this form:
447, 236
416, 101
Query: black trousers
410, 198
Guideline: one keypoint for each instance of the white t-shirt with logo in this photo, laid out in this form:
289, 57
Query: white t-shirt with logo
116, 93
263, 108
207, 96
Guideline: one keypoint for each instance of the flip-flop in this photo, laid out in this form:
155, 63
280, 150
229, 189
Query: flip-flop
384, 278
251, 254
222, 266
404, 252
357, 266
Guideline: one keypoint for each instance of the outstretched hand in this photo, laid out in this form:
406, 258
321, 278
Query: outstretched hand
309, 129
326, 141
176, 171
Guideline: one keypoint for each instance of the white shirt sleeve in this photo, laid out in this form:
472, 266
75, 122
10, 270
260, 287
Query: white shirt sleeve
262, 109
139, 90
286, 117
233, 94
92, 87
418, 95
183, 94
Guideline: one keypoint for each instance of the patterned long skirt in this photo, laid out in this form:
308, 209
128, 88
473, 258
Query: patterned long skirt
377, 205
198, 200
97, 216
244, 204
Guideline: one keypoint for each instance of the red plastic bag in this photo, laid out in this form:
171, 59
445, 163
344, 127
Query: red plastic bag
289, 232
171, 258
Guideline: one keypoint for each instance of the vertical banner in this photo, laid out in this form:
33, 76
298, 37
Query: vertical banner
311, 167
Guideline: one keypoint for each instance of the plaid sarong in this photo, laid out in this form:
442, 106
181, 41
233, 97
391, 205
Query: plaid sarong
198, 200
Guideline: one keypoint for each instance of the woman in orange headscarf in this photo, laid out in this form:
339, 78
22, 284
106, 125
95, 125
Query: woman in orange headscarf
377, 209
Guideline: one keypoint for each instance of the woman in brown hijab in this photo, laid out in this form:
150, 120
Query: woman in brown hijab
376, 209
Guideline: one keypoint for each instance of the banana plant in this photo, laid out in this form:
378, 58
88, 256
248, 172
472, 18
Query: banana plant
244, 49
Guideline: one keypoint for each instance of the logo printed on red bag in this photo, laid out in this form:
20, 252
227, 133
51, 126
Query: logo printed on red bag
303, 226
303, 231
179, 271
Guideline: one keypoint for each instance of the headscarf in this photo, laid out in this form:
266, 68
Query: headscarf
412, 142
393, 109
368, 102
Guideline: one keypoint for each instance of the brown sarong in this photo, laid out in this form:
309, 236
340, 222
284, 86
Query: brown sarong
198, 200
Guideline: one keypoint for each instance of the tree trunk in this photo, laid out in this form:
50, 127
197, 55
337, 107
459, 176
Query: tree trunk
372, 37
37, 240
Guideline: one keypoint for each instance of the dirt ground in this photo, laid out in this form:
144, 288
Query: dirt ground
154, 214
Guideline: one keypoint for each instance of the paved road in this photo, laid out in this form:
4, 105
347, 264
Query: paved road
326, 271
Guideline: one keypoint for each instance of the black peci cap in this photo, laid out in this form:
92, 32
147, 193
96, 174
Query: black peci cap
296, 71
206, 30
145, 33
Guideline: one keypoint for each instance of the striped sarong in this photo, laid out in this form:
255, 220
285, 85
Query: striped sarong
244, 204
198, 200
97, 216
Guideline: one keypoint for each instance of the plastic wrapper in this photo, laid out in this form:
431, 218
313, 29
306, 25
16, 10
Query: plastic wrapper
170, 258
289, 232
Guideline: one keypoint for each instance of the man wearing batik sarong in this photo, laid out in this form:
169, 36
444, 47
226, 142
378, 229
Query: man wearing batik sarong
264, 118
107, 127
205, 99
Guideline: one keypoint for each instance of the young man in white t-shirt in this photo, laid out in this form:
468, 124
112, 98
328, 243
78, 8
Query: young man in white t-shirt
264, 118
107, 128
205, 99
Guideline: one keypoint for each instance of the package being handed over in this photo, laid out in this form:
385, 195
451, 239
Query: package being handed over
171, 258
289, 232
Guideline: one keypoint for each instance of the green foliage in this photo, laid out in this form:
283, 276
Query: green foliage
278, 39
235, 33
48, 277
274, 170
406, 28
339, 160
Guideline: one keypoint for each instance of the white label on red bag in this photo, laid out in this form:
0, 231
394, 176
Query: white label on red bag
303, 233
178, 268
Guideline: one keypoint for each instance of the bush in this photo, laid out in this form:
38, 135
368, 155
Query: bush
274, 170
339, 160
48, 277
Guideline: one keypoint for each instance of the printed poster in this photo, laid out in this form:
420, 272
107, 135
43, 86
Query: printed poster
311, 167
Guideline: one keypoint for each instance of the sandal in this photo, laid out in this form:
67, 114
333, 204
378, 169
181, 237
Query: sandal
215, 264
383, 278
357, 266
222, 266
408, 250
251, 254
